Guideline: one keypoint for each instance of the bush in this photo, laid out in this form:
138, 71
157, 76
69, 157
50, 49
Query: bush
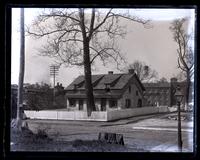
14, 102
41, 134
41, 97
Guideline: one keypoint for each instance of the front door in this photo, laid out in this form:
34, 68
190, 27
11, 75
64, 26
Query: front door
103, 104
139, 104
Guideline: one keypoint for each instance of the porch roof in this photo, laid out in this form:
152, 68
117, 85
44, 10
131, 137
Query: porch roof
78, 95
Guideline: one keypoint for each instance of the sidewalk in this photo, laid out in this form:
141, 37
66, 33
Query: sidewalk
163, 129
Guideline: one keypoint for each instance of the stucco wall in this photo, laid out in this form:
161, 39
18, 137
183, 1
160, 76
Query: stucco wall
132, 96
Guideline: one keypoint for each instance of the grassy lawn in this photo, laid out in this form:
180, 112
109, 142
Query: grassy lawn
27, 141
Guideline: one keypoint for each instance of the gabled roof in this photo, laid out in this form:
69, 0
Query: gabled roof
116, 81
164, 84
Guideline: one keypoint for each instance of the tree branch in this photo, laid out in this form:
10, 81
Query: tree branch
104, 20
92, 24
61, 16
51, 32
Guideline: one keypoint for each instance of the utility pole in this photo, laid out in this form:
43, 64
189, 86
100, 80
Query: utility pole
54, 72
21, 71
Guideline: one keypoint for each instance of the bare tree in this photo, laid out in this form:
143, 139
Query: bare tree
181, 76
21, 72
185, 52
144, 72
80, 36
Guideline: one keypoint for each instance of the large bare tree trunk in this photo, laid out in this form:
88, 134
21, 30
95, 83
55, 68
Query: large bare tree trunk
88, 79
21, 71
87, 66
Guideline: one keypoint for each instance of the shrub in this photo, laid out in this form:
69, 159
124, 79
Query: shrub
41, 97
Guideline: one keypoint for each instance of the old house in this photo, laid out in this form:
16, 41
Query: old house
111, 91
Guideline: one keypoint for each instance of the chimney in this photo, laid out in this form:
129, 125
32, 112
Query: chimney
131, 71
110, 72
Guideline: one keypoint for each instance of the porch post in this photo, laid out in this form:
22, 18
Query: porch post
67, 103
84, 105
77, 104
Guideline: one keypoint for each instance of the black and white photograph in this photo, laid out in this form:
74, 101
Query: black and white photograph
102, 79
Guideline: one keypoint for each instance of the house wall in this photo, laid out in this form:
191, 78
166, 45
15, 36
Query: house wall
132, 96
97, 105
157, 96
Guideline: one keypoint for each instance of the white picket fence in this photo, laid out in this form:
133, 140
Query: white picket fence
96, 115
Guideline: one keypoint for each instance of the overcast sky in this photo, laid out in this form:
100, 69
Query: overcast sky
154, 46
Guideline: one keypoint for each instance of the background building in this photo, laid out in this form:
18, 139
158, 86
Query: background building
162, 94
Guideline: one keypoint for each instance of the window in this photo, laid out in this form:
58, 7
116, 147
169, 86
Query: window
129, 89
139, 103
103, 104
136, 93
80, 104
113, 104
107, 87
72, 102
128, 103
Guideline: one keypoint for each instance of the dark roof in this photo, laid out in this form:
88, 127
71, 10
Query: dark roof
105, 95
165, 84
116, 81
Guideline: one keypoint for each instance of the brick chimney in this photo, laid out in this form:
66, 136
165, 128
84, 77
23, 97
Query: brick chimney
110, 72
131, 71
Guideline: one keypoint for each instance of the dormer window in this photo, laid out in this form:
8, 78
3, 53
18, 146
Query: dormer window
107, 87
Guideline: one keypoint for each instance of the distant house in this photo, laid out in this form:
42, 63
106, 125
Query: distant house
162, 94
157, 94
111, 91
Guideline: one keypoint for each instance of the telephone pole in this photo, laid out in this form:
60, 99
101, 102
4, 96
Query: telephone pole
54, 72
21, 71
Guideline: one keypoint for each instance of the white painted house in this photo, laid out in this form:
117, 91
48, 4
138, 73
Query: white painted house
111, 91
